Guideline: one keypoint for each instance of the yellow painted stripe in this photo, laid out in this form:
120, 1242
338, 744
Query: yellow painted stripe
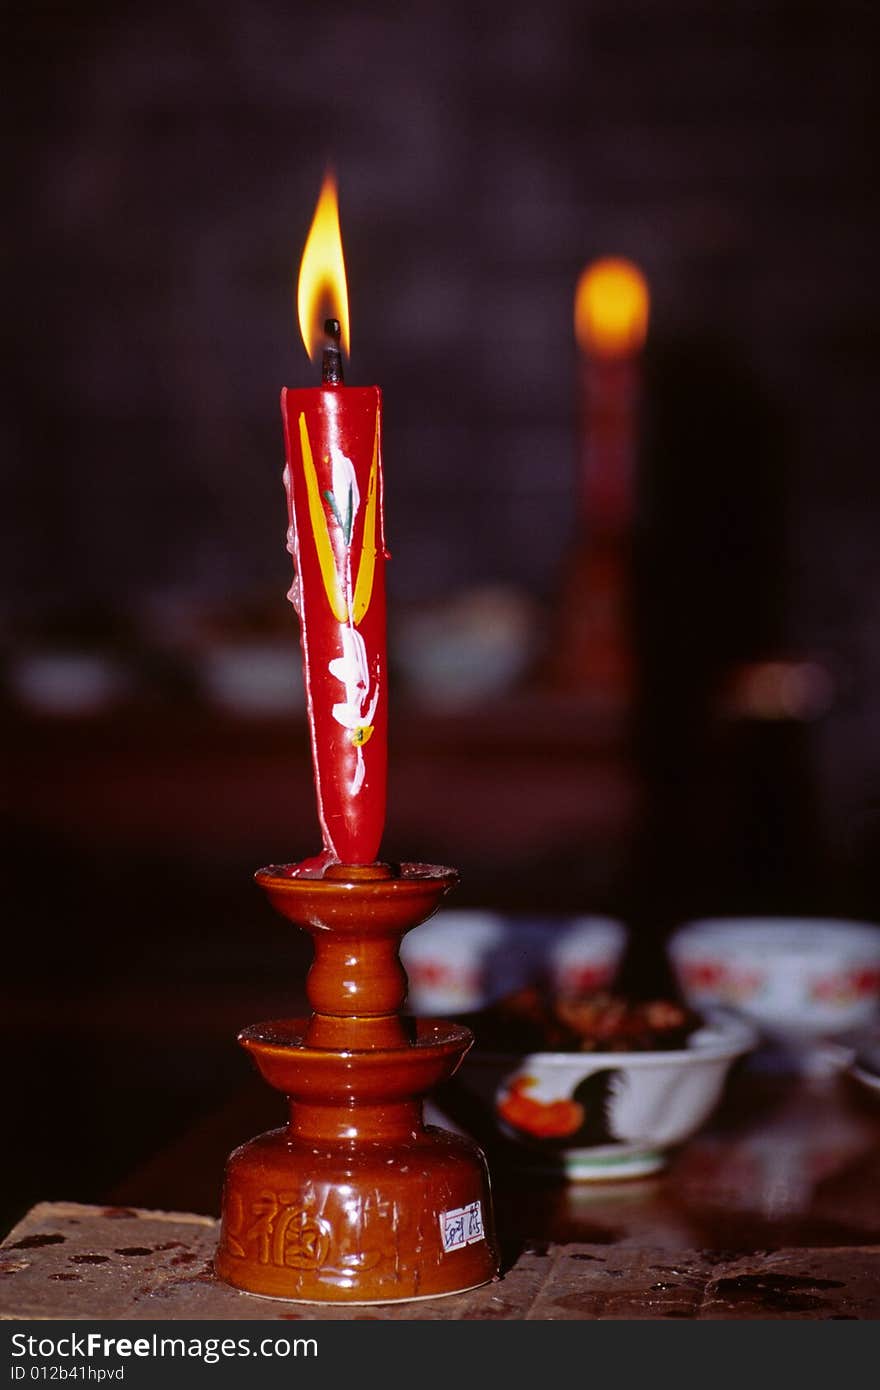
326, 559
363, 589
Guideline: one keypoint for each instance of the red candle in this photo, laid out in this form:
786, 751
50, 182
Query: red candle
333, 479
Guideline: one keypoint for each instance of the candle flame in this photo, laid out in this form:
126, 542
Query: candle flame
611, 308
322, 291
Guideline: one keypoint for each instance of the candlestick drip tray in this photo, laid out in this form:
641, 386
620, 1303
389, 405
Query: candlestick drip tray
356, 1199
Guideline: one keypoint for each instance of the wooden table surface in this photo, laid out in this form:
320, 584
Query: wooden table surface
71, 1261
771, 1212
786, 1160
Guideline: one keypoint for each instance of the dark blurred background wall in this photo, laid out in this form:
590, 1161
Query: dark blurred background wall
164, 165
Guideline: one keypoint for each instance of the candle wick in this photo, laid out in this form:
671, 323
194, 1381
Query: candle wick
331, 364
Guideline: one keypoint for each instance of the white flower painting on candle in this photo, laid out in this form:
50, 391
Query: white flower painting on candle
356, 711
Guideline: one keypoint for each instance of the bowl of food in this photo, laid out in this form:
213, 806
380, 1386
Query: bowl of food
596, 1087
798, 979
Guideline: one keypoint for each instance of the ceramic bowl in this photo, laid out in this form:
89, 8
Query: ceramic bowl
252, 678
69, 682
590, 1116
796, 978
473, 648
460, 961
578, 955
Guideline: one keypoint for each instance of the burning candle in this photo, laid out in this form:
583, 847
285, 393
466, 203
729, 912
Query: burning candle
611, 321
333, 481
593, 652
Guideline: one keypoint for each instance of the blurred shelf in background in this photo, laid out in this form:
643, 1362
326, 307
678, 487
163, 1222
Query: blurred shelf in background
497, 791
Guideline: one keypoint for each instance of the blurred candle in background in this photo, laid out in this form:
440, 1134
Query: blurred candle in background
333, 481
593, 650
611, 307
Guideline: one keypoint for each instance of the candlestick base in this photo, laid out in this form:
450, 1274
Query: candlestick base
356, 1200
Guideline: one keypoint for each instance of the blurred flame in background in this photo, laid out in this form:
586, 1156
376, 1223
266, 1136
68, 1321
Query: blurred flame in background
611, 306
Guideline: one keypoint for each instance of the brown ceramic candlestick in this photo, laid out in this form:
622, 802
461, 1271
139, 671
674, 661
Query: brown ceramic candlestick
356, 1200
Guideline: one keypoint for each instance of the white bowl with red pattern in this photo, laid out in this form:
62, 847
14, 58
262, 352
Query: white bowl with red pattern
581, 955
603, 1116
795, 977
